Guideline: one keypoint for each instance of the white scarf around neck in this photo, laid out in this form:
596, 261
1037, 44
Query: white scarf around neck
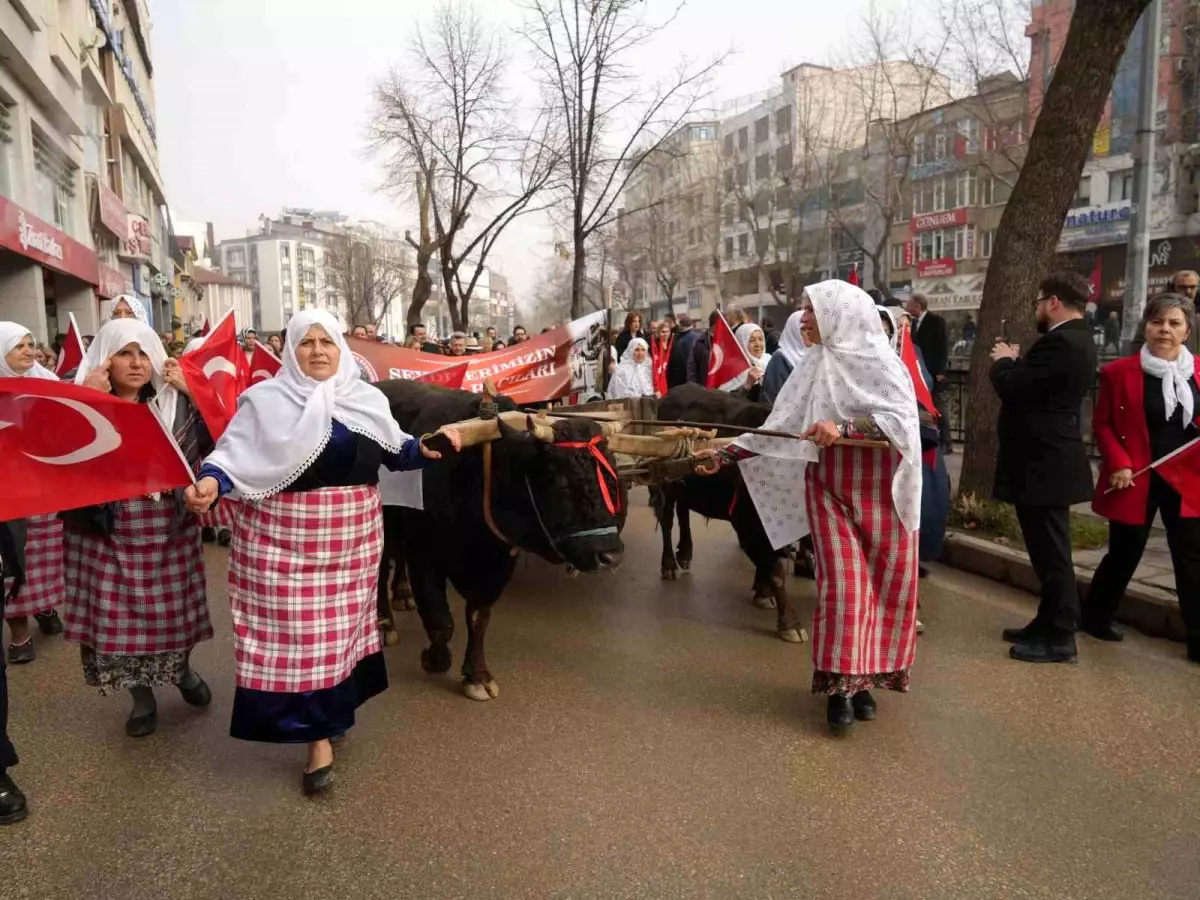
11, 334
282, 424
1174, 375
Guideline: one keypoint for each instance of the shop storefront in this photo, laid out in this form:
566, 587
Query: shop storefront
44, 274
952, 296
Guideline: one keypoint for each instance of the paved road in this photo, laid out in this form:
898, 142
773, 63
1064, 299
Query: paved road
651, 741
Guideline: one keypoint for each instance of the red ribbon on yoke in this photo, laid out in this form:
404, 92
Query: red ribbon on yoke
602, 466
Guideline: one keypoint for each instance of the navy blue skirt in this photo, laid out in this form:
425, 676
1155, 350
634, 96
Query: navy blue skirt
300, 718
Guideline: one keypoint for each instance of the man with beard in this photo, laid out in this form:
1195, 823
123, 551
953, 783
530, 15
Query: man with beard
1042, 465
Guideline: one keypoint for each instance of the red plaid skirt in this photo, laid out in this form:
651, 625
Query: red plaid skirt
43, 588
223, 515
302, 579
865, 621
139, 590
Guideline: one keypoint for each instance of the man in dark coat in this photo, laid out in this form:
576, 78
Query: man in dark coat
697, 365
681, 353
1042, 465
932, 338
12, 566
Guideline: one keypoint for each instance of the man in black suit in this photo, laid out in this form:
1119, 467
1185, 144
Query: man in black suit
932, 338
1042, 465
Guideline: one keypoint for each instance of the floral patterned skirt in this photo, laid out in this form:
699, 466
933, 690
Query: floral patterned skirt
113, 672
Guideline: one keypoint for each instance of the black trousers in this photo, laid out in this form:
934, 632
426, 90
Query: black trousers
1047, 533
8, 754
1126, 543
941, 404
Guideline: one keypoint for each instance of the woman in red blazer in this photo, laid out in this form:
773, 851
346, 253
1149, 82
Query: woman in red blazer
1147, 408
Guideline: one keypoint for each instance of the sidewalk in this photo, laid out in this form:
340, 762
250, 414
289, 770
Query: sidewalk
1155, 570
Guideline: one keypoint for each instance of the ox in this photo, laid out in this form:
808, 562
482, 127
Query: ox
520, 483
722, 496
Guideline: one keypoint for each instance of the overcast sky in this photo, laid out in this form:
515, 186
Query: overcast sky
262, 103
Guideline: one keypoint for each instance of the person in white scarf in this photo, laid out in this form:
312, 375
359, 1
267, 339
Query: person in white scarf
863, 503
18, 354
634, 375
305, 447
754, 342
785, 358
128, 306
122, 336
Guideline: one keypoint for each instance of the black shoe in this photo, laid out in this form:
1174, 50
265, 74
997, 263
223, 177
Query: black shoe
208, 535
1044, 650
224, 538
1102, 631
864, 706
319, 781
922, 572
839, 713
199, 695
12, 802
19, 654
141, 726
1193, 652
1022, 635
49, 623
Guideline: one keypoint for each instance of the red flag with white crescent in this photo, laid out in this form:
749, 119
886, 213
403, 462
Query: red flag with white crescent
264, 364
203, 332
70, 355
216, 374
727, 359
65, 446
908, 354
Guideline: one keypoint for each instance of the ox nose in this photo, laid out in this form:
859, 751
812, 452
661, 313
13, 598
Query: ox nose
609, 559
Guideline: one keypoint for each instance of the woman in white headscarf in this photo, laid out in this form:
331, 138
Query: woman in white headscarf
863, 503
634, 375
783, 360
305, 448
42, 591
135, 598
128, 306
754, 341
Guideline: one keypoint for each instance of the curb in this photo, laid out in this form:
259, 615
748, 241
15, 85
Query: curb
1149, 610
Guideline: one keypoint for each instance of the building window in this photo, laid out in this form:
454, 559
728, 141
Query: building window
900, 213
7, 150
783, 236
743, 174
898, 256
285, 252
986, 240
729, 248
1120, 185
968, 130
939, 146
783, 121
55, 176
762, 166
1083, 195
743, 244
694, 298
728, 181
727, 217
762, 129
743, 138
704, 133
964, 242
286, 277
728, 145
918, 150
95, 158
783, 160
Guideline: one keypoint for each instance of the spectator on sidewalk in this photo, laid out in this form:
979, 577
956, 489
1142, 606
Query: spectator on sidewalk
681, 353
1112, 332
697, 364
1146, 409
1042, 466
632, 329
968, 333
932, 338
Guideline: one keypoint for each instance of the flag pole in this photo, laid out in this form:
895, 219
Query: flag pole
1158, 462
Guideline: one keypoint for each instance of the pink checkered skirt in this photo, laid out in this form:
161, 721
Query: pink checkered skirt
302, 578
223, 515
43, 588
865, 621
139, 590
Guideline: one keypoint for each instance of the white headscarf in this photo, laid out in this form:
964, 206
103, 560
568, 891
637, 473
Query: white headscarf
852, 373
116, 334
1174, 375
897, 316
743, 334
139, 310
791, 343
194, 344
282, 424
631, 378
12, 334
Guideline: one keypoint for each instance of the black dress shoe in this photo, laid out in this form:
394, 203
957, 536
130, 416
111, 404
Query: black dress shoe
198, 695
864, 706
319, 781
224, 537
49, 623
1027, 633
839, 713
12, 802
208, 535
1044, 650
1102, 631
141, 726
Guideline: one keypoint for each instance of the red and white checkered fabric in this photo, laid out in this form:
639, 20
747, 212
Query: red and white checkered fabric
866, 616
223, 515
43, 589
140, 590
302, 579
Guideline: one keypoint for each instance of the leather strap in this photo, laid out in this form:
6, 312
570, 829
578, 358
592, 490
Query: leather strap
487, 502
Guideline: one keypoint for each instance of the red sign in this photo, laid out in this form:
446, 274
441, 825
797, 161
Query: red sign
929, 221
137, 241
24, 233
910, 251
112, 282
113, 214
936, 268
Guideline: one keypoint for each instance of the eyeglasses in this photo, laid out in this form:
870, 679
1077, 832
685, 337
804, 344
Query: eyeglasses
1042, 300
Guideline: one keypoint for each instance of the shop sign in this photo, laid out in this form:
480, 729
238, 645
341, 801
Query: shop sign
1099, 215
930, 221
112, 282
951, 292
24, 233
936, 268
137, 237
113, 214
850, 257
937, 167
1102, 140
910, 252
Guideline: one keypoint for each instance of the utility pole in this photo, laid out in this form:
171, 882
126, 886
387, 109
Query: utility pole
1137, 252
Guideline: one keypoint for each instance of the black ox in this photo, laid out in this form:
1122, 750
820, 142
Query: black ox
722, 496
550, 490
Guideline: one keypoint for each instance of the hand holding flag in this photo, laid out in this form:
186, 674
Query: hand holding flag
727, 358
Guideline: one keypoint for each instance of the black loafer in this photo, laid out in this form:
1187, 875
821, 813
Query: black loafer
49, 623
1102, 632
19, 654
224, 537
13, 807
864, 706
839, 713
208, 535
319, 781
141, 726
1020, 635
1042, 650
198, 696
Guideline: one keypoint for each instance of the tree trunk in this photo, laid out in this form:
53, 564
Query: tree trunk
1027, 238
578, 272
424, 286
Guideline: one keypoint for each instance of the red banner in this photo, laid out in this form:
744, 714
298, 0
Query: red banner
112, 282
113, 214
546, 367
24, 233
66, 446
946, 219
449, 376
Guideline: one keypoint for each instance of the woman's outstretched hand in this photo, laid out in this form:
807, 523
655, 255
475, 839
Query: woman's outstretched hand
450, 434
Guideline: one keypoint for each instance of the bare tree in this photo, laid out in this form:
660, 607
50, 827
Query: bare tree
446, 118
367, 271
609, 118
425, 245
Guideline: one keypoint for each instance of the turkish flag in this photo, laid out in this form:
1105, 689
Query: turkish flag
66, 446
852, 278
71, 353
1181, 470
216, 375
727, 360
203, 332
448, 376
908, 354
263, 364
